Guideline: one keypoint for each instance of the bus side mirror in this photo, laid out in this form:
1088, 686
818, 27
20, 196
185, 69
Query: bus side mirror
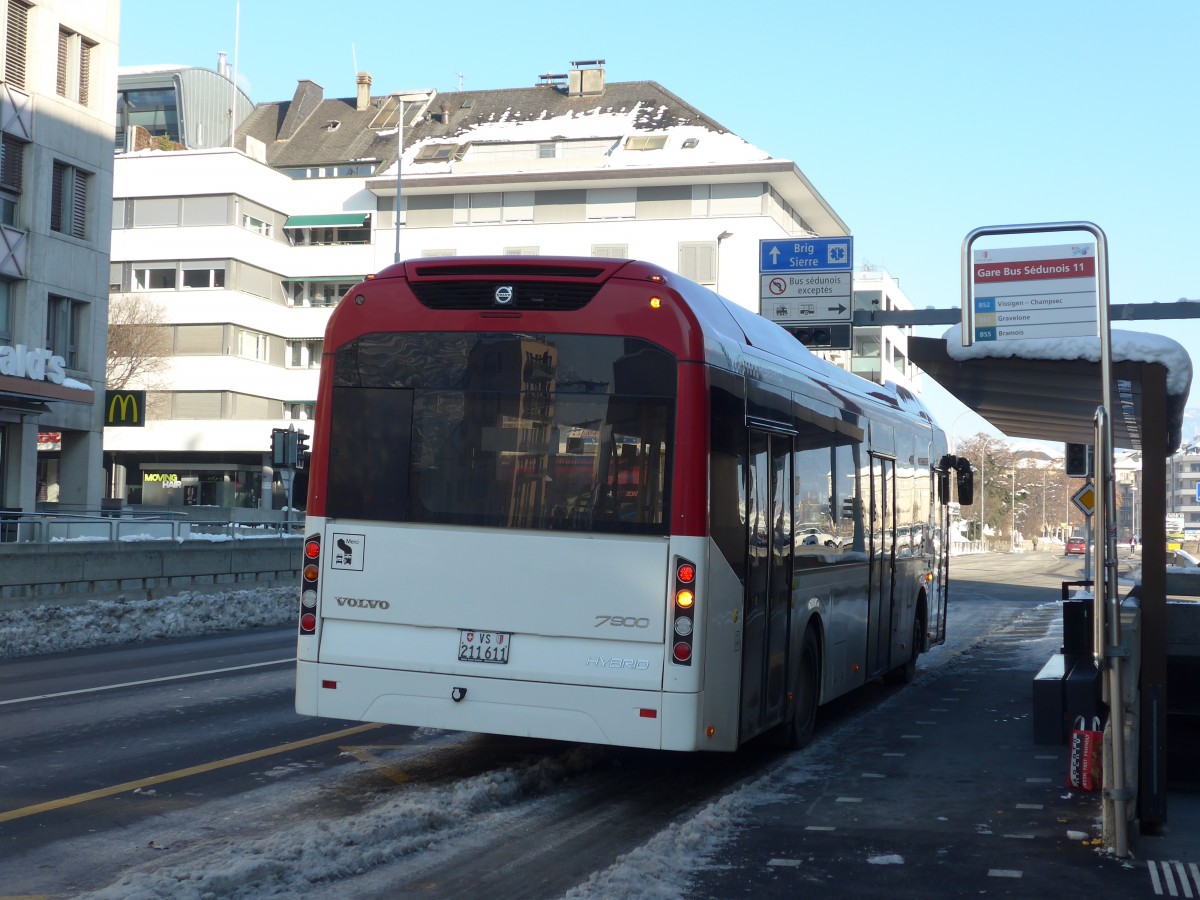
966, 482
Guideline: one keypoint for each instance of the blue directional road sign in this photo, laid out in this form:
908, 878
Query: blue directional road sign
806, 255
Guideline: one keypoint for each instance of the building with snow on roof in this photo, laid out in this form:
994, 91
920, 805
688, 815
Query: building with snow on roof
246, 249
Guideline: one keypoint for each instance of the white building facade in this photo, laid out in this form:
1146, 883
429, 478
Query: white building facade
247, 250
56, 114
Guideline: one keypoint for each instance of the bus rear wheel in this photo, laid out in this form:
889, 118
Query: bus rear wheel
907, 671
797, 730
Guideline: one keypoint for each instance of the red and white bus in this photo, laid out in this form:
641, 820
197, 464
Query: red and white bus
590, 500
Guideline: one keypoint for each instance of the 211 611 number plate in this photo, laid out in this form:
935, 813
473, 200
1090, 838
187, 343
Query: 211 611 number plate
484, 646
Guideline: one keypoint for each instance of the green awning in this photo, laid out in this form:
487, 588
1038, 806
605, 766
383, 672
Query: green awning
333, 220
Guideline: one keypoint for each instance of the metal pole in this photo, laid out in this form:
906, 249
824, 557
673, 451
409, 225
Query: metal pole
399, 162
1108, 649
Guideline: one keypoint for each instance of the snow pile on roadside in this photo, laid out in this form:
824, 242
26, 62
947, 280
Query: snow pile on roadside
100, 623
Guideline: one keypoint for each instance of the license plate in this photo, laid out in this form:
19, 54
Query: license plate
484, 646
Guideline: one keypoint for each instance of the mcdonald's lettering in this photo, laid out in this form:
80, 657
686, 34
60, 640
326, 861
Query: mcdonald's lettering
125, 409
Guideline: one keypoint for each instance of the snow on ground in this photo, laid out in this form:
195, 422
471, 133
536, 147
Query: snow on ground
327, 857
50, 629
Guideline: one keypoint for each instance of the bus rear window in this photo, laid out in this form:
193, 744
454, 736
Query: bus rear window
570, 432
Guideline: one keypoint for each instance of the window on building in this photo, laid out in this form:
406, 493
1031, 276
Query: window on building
252, 345
698, 261
155, 277
302, 410
65, 328
611, 203
305, 354
155, 109
74, 65
206, 210
12, 176
342, 170
155, 212
518, 206
6, 305
330, 236
520, 251
646, 142
69, 200
257, 218
485, 208
14, 43
199, 340
438, 153
258, 225
204, 273
611, 251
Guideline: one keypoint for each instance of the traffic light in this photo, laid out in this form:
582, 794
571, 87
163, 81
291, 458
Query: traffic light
1078, 460
815, 336
302, 451
278, 447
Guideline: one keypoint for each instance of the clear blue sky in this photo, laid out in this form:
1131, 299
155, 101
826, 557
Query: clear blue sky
917, 121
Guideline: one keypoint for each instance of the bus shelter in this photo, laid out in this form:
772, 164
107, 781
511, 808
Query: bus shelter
1055, 399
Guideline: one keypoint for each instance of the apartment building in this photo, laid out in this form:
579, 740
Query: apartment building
56, 117
245, 250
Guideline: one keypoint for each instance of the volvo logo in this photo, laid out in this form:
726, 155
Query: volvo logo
505, 294
359, 603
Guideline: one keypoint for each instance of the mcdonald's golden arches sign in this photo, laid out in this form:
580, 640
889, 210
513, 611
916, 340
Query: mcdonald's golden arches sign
124, 409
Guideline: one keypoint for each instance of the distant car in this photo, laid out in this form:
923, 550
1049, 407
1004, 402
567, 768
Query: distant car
810, 535
1076, 546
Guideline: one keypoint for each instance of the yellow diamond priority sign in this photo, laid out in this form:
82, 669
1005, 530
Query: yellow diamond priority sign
1085, 499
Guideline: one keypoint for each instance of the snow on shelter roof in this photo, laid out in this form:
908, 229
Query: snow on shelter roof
1049, 389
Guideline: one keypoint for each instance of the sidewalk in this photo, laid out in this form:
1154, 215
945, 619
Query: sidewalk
942, 792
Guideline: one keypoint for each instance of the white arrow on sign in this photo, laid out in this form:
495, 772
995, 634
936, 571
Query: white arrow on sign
774, 256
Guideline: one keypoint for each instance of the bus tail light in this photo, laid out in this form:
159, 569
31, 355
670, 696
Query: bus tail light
683, 610
310, 576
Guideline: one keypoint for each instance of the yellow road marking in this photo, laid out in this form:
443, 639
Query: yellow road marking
181, 773
363, 754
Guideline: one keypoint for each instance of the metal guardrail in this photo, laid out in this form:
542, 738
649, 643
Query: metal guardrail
47, 527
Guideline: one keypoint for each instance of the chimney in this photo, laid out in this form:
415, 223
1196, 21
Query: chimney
586, 82
444, 116
222, 67
364, 91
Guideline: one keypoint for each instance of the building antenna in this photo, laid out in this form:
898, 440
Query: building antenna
460, 80
354, 58
237, 26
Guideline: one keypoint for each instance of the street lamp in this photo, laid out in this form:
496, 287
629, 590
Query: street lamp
1012, 535
720, 237
401, 98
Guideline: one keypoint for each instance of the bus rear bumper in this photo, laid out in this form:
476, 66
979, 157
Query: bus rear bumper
586, 714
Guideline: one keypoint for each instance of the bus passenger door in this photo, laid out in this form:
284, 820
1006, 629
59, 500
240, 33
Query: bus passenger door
768, 583
882, 549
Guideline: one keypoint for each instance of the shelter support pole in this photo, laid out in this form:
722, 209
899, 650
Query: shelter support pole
1152, 777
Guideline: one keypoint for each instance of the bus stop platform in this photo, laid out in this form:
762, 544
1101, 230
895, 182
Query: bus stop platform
941, 790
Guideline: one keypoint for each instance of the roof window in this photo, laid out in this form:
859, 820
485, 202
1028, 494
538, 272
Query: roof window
646, 142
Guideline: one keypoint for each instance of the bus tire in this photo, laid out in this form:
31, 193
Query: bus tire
906, 673
797, 731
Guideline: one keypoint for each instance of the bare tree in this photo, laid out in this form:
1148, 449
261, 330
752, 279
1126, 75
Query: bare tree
139, 342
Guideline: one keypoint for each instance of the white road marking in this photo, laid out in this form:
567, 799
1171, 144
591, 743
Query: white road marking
113, 687
1005, 873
